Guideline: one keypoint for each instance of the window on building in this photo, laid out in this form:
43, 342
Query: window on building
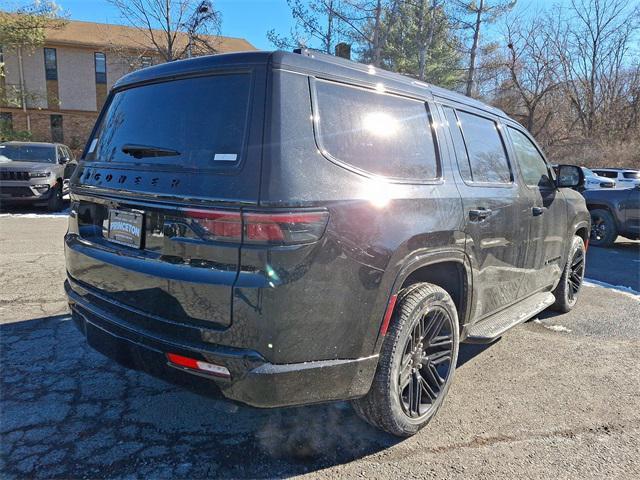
532, 165
145, 62
50, 64
57, 134
376, 132
487, 156
101, 67
6, 121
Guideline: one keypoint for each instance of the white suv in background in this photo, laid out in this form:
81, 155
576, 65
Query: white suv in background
593, 181
624, 178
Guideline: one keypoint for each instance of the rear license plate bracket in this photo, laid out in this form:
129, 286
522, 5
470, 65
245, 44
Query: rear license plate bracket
125, 227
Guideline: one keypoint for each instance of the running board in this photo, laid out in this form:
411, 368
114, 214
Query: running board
487, 330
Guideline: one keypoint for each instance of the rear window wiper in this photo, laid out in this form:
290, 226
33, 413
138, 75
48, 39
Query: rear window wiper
140, 151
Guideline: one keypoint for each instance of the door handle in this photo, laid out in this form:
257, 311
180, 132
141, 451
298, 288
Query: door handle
537, 211
479, 214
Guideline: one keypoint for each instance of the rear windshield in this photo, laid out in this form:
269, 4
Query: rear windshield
194, 123
27, 153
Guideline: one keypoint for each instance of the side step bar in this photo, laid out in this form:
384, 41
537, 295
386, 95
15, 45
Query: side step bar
497, 324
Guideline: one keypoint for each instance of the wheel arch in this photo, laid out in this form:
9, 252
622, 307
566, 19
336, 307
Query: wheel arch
450, 270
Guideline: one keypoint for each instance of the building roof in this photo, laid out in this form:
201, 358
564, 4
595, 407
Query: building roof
84, 34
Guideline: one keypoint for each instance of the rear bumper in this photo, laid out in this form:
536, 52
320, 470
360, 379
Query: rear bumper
254, 381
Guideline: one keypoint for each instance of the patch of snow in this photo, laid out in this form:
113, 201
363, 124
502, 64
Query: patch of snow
63, 214
589, 282
555, 328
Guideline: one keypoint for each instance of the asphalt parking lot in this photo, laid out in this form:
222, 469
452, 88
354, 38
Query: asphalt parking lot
557, 397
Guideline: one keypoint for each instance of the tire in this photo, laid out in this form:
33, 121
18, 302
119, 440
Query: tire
568, 288
603, 228
390, 404
54, 204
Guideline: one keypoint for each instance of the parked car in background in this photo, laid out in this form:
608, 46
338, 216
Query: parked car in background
593, 181
299, 228
624, 177
35, 173
613, 212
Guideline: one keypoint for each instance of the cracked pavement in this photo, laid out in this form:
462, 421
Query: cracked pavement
557, 397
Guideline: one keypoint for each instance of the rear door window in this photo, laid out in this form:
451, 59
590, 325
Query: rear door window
532, 166
192, 123
487, 155
375, 132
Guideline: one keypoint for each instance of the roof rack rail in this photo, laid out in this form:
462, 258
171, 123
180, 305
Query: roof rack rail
313, 53
382, 73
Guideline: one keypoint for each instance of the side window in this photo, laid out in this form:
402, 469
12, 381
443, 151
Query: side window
57, 133
101, 67
605, 173
458, 144
379, 133
50, 64
487, 156
532, 166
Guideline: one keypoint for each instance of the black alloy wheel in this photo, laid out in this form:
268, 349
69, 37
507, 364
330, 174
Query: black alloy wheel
598, 229
568, 288
575, 276
417, 362
426, 363
603, 228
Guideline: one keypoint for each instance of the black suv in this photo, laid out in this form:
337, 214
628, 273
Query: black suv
296, 228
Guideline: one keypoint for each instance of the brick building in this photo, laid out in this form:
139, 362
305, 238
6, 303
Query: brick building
56, 91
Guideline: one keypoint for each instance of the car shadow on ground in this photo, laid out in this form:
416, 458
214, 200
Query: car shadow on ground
67, 411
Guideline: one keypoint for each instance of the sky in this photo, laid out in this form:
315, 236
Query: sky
249, 19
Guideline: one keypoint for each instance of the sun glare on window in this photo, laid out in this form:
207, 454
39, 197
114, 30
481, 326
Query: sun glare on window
380, 124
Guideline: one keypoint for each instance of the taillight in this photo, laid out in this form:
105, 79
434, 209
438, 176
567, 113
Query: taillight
285, 228
273, 228
217, 224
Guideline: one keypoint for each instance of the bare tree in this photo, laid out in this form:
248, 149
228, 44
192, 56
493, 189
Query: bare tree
173, 28
369, 23
315, 23
21, 30
592, 39
473, 15
532, 68
427, 12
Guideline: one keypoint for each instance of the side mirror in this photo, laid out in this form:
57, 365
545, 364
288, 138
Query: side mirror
569, 176
64, 160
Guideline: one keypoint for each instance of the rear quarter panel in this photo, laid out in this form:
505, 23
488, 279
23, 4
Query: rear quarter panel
335, 291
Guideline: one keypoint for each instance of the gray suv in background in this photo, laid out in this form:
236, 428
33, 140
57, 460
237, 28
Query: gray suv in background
35, 173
